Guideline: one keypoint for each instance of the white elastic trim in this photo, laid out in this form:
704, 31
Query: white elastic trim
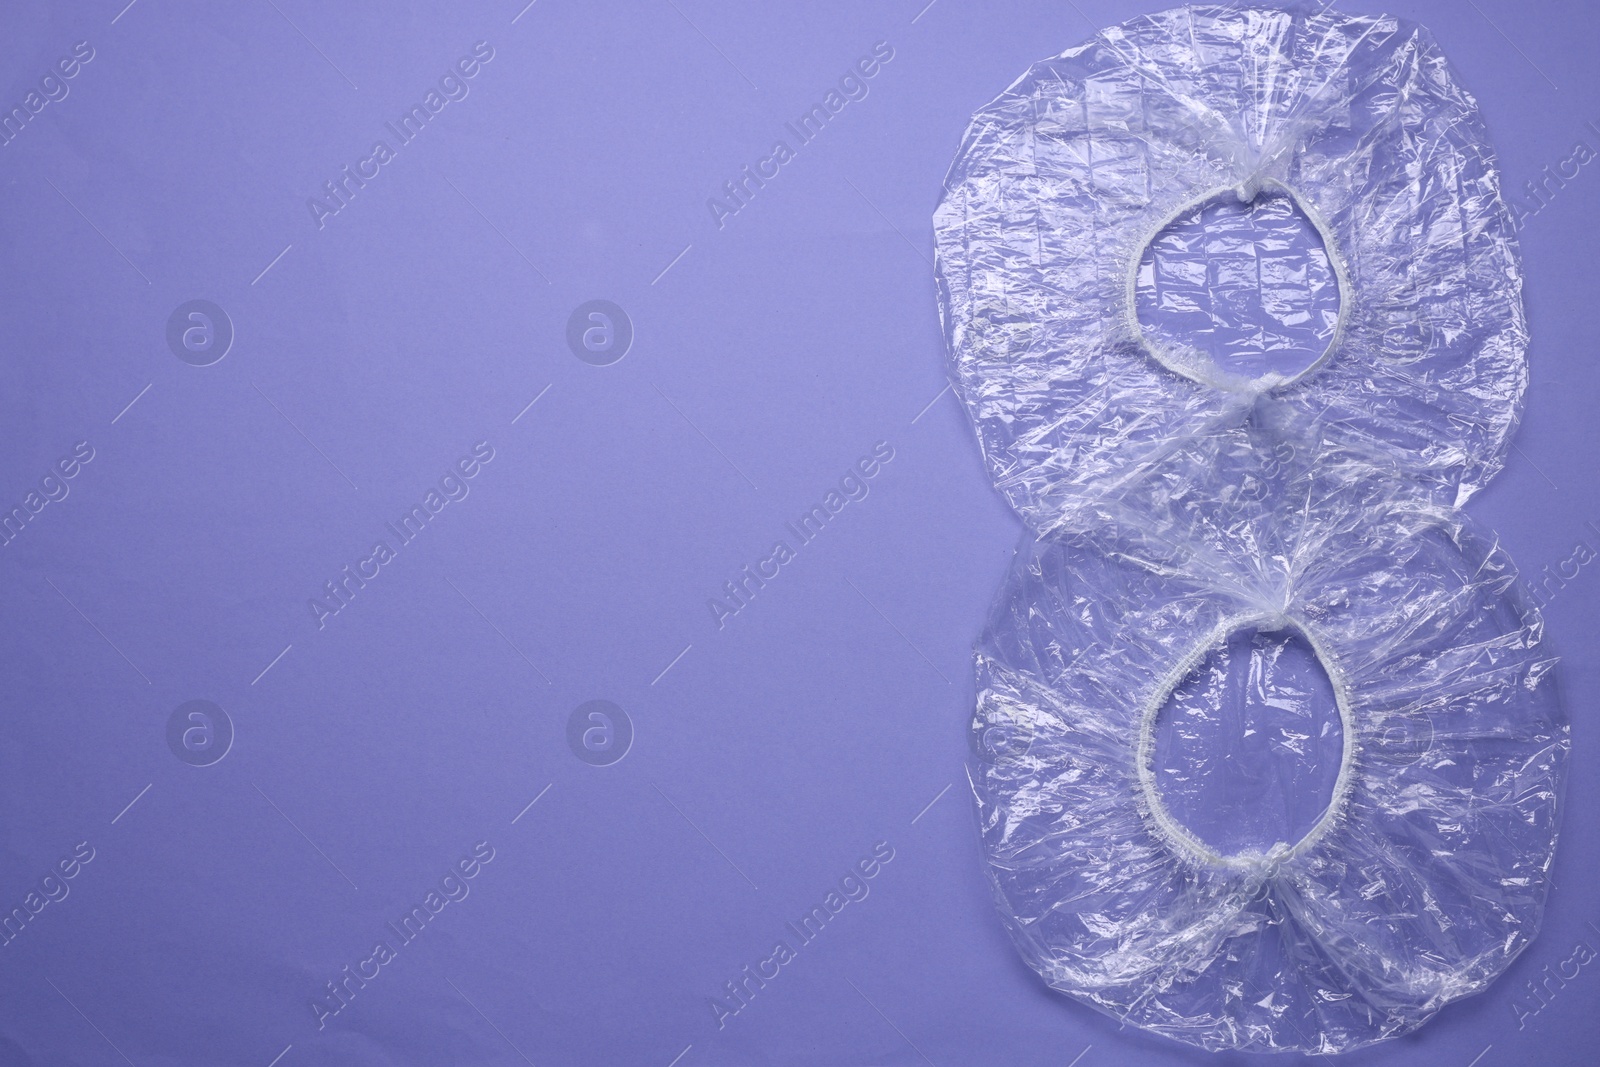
1179, 837
1215, 378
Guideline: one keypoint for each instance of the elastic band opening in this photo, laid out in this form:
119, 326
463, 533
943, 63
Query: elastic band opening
1218, 379
1179, 837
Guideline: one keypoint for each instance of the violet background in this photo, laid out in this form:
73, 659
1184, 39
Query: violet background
769, 355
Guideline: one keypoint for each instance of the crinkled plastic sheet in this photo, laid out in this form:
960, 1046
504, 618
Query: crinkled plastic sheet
1268, 749
1430, 740
1064, 180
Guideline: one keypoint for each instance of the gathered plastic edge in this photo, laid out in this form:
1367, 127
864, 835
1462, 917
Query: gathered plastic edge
1246, 193
1180, 838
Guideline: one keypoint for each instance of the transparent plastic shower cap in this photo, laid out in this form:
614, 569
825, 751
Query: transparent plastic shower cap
1063, 181
1423, 876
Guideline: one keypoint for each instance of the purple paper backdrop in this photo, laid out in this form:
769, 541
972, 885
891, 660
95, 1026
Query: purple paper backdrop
413, 362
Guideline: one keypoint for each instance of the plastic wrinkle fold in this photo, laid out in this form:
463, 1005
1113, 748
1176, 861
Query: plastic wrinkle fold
1267, 751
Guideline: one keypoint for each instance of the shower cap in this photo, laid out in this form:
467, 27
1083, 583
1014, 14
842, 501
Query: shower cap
1062, 183
1419, 881
1222, 530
